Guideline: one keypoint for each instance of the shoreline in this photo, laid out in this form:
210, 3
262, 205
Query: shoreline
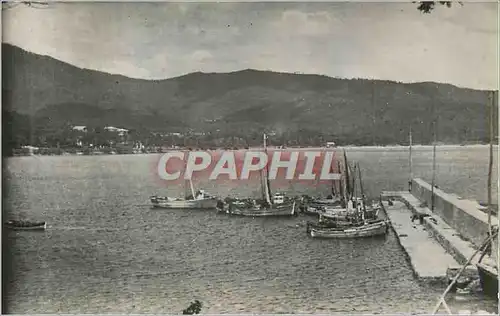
347, 148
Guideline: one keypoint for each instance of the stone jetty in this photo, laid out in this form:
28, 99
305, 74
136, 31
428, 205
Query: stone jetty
438, 241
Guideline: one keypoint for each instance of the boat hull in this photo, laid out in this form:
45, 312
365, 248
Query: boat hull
185, 204
285, 209
34, 227
369, 230
317, 207
489, 280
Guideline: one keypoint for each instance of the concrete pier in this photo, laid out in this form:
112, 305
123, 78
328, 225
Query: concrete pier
464, 216
428, 259
442, 239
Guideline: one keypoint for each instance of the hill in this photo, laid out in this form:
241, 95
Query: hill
50, 92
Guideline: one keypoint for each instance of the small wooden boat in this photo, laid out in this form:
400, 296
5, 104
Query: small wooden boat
243, 208
342, 214
488, 277
25, 225
367, 229
316, 206
198, 200
169, 203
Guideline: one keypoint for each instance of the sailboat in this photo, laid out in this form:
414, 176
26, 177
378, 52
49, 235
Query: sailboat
312, 206
488, 274
349, 201
353, 221
270, 205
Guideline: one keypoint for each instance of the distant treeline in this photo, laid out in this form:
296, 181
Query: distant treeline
20, 130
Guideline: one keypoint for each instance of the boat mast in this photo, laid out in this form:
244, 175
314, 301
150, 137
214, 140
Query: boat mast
190, 184
433, 183
491, 99
353, 172
344, 183
347, 178
410, 163
262, 185
267, 183
362, 191
333, 188
341, 188
192, 188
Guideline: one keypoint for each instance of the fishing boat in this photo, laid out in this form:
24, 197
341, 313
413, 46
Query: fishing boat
317, 206
376, 228
197, 200
336, 213
256, 209
365, 229
25, 225
353, 221
270, 205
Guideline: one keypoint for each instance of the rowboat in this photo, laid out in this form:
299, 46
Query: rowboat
367, 229
25, 225
488, 277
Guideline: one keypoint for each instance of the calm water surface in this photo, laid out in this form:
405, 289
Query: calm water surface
106, 251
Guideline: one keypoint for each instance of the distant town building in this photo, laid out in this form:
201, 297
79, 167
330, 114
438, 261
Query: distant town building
80, 128
30, 149
174, 134
331, 144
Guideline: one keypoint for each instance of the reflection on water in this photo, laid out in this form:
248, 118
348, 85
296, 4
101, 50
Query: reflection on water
106, 251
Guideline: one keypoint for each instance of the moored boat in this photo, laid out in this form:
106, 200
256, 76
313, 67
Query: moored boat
199, 200
488, 277
316, 206
352, 211
25, 225
355, 220
366, 229
270, 205
256, 209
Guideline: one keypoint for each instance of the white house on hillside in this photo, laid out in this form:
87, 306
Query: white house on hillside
120, 131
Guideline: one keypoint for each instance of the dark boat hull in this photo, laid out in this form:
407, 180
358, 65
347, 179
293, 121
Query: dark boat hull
38, 226
285, 209
488, 279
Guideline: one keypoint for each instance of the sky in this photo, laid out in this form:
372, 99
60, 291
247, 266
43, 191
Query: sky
391, 41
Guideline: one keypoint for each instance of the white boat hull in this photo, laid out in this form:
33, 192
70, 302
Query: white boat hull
367, 230
185, 204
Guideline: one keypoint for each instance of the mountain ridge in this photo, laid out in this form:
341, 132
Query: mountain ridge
244, 101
